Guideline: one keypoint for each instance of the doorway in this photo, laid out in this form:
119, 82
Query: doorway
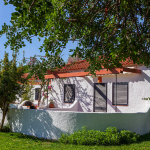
100, 97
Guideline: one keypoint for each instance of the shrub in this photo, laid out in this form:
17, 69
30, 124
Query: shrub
6, 128
127, 137
111, 136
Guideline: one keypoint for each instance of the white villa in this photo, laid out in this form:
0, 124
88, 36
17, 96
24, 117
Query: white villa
76, 90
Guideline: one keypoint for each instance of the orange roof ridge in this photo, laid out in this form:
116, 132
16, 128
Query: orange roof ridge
83, 64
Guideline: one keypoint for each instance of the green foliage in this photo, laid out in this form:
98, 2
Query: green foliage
127, 137
26, 68
38, 70
6, 128
111, 136
104, 28
12, 83
29, 93
10, 140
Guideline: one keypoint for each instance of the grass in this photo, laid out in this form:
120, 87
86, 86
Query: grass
17, 141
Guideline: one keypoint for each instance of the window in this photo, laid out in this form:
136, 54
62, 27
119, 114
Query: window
37, 93
122, 93
69, 93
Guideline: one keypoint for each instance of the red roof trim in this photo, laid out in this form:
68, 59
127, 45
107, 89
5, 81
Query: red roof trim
82, 74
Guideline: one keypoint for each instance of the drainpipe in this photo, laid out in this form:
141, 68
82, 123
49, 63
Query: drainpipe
47, 92
116, 95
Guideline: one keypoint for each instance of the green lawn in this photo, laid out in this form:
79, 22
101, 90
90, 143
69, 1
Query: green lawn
19, 141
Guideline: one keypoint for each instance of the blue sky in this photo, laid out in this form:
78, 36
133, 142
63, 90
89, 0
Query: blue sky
30, 49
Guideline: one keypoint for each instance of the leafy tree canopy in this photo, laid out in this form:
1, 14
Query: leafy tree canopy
108, 30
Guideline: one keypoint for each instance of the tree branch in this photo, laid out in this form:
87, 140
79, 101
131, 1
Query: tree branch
32, 4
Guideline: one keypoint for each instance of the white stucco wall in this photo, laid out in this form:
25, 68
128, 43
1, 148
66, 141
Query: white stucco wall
50, 124
83, 92
138, 88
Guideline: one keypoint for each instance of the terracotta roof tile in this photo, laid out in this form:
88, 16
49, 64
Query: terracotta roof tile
83, 64
26, 74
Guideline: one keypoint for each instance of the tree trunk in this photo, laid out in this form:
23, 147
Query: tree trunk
39, 97
5, 109
3, 119
39, 100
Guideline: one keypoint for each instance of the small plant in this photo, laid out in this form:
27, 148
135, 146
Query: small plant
51, 101
111, 136
45, 93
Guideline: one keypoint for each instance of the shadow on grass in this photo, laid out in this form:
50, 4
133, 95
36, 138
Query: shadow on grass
144, 138
29, 137
36, 139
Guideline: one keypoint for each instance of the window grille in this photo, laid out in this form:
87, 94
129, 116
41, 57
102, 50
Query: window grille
37, 92
69, 93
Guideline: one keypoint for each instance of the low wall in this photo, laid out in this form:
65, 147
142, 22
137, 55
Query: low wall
1, 114
50, 124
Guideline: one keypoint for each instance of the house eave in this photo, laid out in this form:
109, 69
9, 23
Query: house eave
101, 72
